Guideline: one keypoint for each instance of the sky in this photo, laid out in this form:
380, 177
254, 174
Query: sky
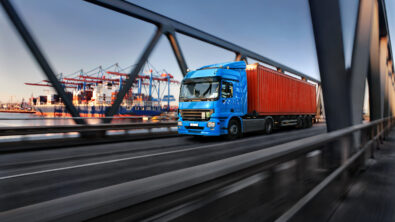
76, 35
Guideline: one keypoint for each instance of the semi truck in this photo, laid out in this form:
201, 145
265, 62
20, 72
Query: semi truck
235, 98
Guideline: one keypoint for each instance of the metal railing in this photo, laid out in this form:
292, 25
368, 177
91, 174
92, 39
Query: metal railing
29, 130
29, 138
178, 193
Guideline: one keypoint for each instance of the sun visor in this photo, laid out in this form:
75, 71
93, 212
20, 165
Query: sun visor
226, 65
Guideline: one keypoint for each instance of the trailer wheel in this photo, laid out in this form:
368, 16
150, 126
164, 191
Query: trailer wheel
234, 130
268, 126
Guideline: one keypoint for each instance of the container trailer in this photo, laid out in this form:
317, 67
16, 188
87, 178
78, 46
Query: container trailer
235, 98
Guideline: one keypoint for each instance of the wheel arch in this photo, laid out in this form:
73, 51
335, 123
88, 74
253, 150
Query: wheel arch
239, 120
270, 118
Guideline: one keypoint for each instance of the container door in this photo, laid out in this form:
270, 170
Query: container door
227, 100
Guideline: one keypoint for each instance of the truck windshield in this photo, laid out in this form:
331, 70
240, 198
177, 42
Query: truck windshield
199, 91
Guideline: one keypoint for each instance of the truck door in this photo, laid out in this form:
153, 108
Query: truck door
227, 100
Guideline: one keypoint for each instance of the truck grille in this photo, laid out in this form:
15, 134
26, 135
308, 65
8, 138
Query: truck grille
195, 114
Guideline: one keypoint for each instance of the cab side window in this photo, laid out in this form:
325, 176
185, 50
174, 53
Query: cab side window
227, 90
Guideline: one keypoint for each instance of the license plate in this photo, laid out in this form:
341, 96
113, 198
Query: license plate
193, 124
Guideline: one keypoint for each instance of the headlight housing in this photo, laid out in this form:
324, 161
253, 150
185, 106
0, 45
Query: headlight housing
211, 124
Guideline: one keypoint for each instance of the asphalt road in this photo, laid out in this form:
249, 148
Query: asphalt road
31, 177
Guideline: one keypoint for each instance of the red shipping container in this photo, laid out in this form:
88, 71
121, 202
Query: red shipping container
274, 93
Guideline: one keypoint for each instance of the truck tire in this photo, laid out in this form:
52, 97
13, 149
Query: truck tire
300, 122
305, 123
309, 121
234, 130
268, 126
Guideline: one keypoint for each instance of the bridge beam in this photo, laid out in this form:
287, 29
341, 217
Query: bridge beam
171, 36
374, 77
360, 59
325, 16
133, 74
360, 64
329, 46
383, 74
343, 88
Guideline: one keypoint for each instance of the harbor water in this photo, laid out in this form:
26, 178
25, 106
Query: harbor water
6, 120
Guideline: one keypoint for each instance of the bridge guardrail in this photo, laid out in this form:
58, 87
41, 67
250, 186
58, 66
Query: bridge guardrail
112, 200
27, 130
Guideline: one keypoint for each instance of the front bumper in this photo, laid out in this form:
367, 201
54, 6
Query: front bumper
200, 128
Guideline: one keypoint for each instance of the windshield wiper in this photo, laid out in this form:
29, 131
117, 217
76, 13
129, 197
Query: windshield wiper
208, 90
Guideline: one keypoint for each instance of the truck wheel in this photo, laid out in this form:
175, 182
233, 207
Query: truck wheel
234, 130
309, 121
305, 123
268, 126
300, 123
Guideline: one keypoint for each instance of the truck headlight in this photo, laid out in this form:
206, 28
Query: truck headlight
179, 123
211, 124
207, 114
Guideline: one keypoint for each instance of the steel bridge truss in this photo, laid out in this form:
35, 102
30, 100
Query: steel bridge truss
347, 145
341, 86
165, 26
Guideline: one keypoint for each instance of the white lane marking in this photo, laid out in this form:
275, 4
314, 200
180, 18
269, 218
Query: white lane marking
124, 159
116, 160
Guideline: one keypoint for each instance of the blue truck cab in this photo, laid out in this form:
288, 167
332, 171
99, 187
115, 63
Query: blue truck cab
213, 100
